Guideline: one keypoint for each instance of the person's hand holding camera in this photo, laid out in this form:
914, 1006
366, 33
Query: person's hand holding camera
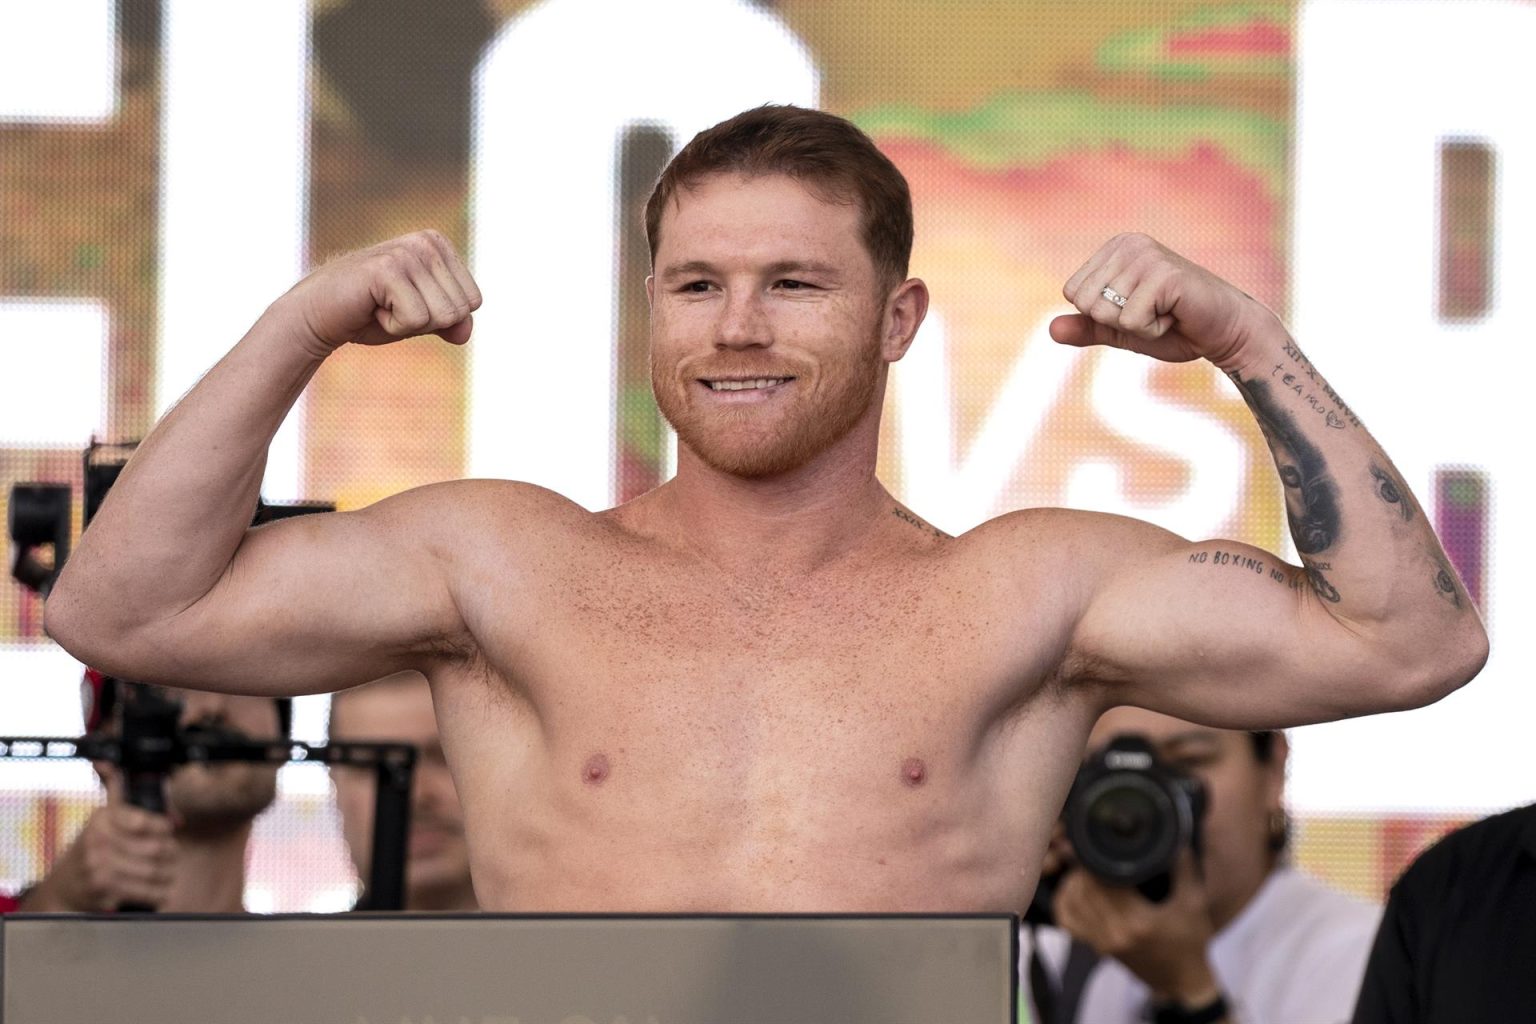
1123, 875
1164, 944
124, 856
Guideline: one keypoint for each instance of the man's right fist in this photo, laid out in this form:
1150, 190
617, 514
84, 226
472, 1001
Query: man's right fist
408, 286
124, 856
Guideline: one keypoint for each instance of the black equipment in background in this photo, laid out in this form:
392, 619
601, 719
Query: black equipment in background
151, 743
394, 766
1128, 816
148, 753
38, 515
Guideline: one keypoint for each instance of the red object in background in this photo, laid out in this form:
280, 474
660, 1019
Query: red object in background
1257, 38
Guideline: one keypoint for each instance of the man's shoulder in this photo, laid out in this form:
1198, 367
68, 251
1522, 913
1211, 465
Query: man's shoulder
486, 502
1071, 533
1472, 850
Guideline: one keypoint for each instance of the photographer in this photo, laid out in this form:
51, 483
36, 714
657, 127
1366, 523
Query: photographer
1241, 937
189, 860
398, 708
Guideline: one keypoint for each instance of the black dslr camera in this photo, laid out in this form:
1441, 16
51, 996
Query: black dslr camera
1128, 816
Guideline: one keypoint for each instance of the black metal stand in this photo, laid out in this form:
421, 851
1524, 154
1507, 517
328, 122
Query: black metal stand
394, 765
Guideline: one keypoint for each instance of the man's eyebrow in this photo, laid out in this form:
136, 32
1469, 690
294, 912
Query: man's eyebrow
782, 267
688, 268
801, 267
1191, 738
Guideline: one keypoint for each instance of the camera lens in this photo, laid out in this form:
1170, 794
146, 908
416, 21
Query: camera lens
1128, 828
1122, 822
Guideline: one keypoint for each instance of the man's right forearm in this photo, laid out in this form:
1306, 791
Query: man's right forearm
167, 586
178, 512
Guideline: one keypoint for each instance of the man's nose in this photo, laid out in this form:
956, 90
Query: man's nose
743, 323
432, 786
198, 704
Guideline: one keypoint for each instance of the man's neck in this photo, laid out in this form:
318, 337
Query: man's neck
1224, 912
210, 873
445, 899
807, 518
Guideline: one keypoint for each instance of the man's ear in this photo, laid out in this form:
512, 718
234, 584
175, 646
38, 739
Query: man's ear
904, 312
1279, 753
650, 289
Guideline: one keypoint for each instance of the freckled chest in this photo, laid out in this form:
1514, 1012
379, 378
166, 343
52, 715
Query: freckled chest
688, 673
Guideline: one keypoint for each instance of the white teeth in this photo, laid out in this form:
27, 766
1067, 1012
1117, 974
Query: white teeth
746, 385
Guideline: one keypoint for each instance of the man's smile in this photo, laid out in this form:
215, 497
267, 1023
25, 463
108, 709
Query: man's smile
745, 388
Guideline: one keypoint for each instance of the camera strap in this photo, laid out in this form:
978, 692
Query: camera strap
1057, 1000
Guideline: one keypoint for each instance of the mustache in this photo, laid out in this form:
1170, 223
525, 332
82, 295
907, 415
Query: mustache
216, 728
717, 368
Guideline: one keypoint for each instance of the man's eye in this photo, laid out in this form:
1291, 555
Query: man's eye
793, 286
696, 286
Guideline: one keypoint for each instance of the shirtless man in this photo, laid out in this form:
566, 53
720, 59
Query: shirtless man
767, 685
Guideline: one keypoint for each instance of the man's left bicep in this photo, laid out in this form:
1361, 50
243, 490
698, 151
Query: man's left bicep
1219, 632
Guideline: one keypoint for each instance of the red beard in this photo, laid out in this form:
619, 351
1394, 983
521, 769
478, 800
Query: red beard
770, 438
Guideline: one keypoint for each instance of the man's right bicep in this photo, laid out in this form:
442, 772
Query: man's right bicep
309, 604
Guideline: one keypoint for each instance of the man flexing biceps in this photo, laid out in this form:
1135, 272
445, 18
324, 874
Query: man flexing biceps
767, 685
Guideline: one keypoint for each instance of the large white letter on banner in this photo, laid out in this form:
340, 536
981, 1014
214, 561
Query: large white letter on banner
544, 223
58, 65
234, 179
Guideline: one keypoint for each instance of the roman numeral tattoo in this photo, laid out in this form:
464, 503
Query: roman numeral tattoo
908, 517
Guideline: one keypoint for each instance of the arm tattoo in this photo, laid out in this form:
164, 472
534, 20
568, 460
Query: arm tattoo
1309, 577
908, 517
1311, 497
1388, 490
1446, 584
1293, 382
1320, 585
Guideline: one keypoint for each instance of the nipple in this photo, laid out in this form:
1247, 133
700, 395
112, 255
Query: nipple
595, 770
914, 771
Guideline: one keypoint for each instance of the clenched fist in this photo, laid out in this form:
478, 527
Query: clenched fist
408, 286
123, 856
1136, 294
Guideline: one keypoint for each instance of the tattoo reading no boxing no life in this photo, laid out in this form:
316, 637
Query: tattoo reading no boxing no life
1311, 576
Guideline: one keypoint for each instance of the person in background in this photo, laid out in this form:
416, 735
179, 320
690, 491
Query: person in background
1243, 937
398, 708
190, 860
1457, 943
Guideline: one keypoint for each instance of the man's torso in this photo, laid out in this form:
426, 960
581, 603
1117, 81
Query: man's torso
638, 729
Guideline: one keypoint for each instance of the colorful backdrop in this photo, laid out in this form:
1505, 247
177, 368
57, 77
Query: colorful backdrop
168, 168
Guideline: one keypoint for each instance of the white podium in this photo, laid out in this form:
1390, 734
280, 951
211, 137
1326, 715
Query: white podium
508, 969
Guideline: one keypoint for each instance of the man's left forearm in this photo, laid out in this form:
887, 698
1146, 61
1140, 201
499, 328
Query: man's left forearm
1368, 551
